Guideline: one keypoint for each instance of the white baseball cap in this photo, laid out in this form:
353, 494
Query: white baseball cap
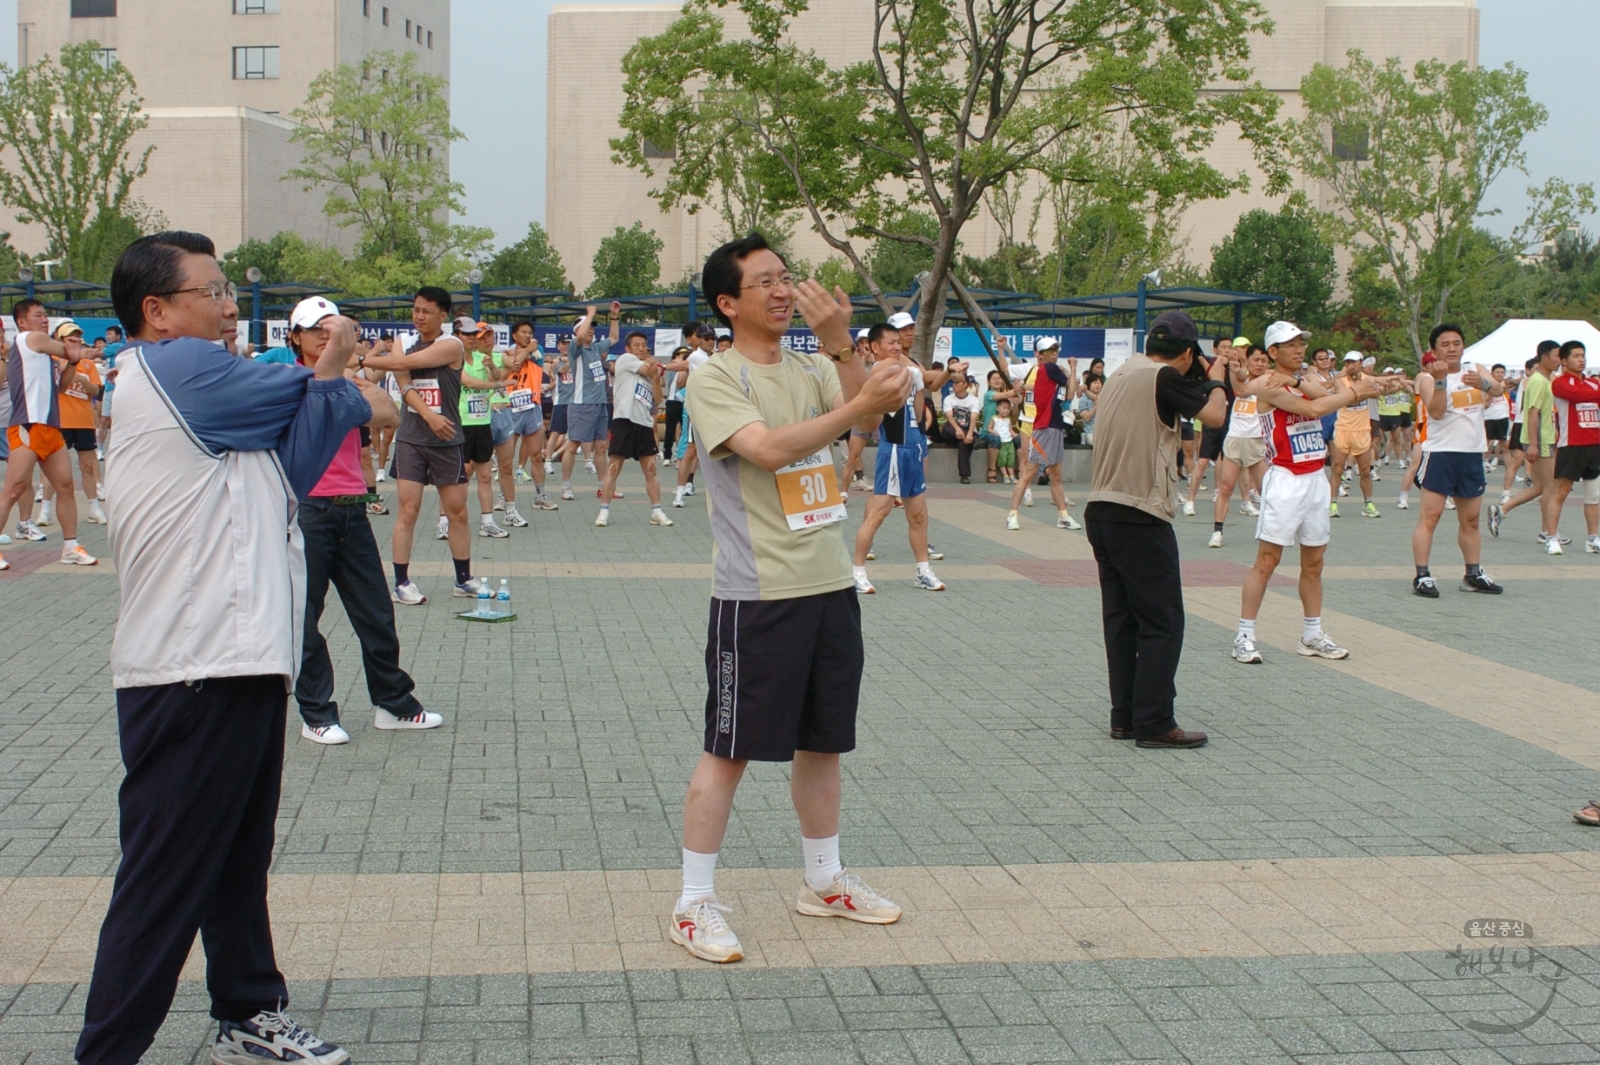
1283, 332
308, 312
861, 334
901, 320
1352, 356
1045, 343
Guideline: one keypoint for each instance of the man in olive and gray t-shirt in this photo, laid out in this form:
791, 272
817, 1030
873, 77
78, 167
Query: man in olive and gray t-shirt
588, 411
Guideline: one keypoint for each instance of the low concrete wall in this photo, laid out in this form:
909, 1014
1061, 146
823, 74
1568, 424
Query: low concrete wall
1077, 464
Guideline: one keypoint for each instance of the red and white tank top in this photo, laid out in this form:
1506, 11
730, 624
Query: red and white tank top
1295, 441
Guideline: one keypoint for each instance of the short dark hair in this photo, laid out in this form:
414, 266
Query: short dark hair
1441, 329
1528, 366
518, 323
437, 296
876, 333
23, 306
698, 328
1497, 366
724, 270
152, 266
1570, 346
1544, 348
117, 329
635, 333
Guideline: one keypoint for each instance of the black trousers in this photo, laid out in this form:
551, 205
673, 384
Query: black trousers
204, 767
1141, 607
340, 548
963, 451
674, 423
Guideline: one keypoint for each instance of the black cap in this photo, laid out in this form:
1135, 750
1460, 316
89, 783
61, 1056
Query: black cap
1175, 325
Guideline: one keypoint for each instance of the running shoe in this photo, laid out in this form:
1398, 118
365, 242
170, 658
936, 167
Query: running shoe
677, 499
468, 589
1344, 488
514, 517
1068, 522
1592, 545
382, 476
45, 517
1449, 504
1333, 510
934, 554
1562, 540
544, 502
1027, 496
1012, 522
332, 735
1188, 508
422, 719
524, 476
5, 538
929, 583
38, 493
270, 1036
549, 467
588, 464
489, 528
1552, 546
1376, 476
702, 929
1244, 650
659, 517
1402, 504
94, 514
407, 594
848, 897
1425, 587
1344, 478
1497, 514
1249, 509
1370, 510
499, 500
443, 532
1505, 497
1216, 539
27, 530
864, 586
602, 519
688, 488
566, 492
4, 565
1321, 646
872, 556
77, 556
1482, 582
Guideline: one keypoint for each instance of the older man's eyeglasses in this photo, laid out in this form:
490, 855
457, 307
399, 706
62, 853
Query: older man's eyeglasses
218, 290
767, 284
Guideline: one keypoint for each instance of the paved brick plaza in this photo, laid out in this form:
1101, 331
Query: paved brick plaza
496, 890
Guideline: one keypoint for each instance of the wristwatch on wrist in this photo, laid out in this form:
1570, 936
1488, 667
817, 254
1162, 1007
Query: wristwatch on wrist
361, 361
842, 356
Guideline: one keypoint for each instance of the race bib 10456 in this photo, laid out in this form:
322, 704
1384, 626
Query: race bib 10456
1306, 442
808, 491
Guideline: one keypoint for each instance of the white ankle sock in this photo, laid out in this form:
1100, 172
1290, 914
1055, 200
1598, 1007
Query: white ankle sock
68, 545
699, 876
923, 567
858, 571
822, 860
1247, 628
1313, 628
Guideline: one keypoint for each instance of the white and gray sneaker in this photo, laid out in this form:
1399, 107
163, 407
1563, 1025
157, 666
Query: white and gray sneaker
544, 502
444, 529
329, 734
407, 594
1249, 509
1244, 650
702, 929
94, 514
1321, 646
514, 517
1216, 539
863, 585
422, 719
928, 582
27, 530
848, 897
489, 528
270, 1036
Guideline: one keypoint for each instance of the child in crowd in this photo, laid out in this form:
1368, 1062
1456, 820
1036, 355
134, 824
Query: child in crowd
1004, 430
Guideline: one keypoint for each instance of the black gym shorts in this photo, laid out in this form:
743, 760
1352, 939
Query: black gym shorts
479, 445
1516, 436
630, 440
79, 439
1578, 462
784, 676
1496, 428
1211, 442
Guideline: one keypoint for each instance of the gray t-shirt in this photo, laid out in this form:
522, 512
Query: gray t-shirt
440, 388
589, 383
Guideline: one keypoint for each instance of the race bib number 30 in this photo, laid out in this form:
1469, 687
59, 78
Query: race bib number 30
808, 491
428, 389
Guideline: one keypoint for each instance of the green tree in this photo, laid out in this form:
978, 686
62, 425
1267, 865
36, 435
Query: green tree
895, 264
1409, 157
1282, 254
957, 97
69, 123
627, 263
376, 135
532, 261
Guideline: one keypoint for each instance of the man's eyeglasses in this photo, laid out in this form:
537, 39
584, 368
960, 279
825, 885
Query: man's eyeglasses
218, 290
767, 284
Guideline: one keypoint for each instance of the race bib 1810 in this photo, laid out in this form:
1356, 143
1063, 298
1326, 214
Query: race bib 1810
808, 491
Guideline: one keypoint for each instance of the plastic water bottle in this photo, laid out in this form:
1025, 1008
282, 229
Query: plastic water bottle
502, 598
485, 603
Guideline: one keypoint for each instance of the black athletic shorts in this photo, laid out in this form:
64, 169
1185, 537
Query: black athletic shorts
558, 419
479, 445
1516, 437
1496, 428
1186, 430
1388, 423
1211, 442
1578, 462
630, 440
366, 436
427, 465
79, 439
784, 676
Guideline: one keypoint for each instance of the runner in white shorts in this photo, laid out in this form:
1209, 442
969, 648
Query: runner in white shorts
1295, 492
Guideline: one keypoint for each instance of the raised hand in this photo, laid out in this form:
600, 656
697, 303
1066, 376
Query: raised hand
885, 387
828, 315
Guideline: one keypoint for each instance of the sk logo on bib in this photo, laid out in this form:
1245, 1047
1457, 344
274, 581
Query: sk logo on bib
808, 491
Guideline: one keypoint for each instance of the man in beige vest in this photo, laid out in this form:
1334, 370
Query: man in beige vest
1129, 515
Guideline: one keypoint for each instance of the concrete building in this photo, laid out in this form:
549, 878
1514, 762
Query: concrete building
219, 80
588, 196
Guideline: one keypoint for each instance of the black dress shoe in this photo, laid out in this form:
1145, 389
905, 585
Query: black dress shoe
1121, 733
1176, 738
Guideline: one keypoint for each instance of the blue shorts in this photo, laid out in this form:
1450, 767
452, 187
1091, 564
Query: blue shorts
899, 471
587, 422
1457, 474
526, 422
500, 425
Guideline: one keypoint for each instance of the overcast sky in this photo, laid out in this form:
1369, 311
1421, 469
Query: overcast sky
498, 94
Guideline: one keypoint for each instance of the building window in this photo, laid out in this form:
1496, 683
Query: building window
255, 7
1350, 144
94, 8
107, 57
385, 16
430, 38
366, 8
408, 29
255, 63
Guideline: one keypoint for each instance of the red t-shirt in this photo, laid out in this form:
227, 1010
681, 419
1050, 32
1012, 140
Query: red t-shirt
1295, 441
1577, 410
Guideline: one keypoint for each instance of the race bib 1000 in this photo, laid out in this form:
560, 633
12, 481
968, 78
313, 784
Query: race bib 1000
808, 491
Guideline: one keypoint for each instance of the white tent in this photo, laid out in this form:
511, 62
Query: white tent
1514, 343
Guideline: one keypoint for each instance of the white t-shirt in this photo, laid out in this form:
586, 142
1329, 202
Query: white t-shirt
1460, 427
633, 394
695, 359
1001, 428
963, 412
1499, 409
1245, 421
